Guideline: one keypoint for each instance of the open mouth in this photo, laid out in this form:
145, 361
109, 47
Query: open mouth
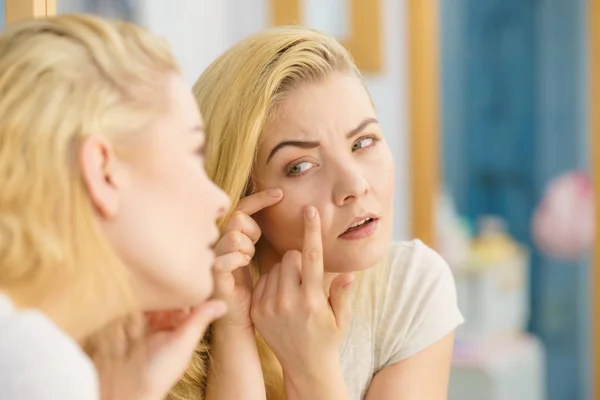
359, 225
361, 229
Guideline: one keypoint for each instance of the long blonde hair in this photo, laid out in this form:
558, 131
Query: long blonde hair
238, 95
62, 79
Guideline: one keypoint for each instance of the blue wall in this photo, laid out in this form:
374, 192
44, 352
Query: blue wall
514, 116
2, 13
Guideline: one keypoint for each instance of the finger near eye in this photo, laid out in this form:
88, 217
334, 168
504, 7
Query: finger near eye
231, 261
257, 201
234, 241
242, 222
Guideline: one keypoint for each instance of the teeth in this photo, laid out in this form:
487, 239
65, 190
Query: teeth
364, 221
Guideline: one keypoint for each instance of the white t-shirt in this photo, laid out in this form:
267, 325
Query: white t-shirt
399, 309
40, 362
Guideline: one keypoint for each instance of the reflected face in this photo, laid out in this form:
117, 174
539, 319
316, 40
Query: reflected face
164, 223
325, 148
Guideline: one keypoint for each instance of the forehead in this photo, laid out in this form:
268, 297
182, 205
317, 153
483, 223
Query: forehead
314, 111
171, 128
182, 106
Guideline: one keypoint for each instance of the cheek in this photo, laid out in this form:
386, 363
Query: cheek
282, 223
174, 201
382, 177
187, 185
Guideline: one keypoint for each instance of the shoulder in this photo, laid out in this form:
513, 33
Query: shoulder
413, 263
419, 305
39, 361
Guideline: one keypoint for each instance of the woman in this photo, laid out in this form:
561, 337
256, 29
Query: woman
295, 142
105, 211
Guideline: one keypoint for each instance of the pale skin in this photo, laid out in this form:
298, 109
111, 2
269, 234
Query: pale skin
325, 151
291, 298
234, 347
158, 210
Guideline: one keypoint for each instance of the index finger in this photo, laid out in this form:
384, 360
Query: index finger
312, 252
257, 201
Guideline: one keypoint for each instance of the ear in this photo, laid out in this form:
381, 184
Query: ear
101, 173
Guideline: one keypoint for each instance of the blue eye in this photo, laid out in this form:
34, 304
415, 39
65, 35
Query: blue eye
363, 143
299, 169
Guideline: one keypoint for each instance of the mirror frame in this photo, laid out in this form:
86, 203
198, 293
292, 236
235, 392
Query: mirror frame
20, 9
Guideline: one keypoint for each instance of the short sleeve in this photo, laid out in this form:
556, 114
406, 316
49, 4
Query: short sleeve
420, 306
40, 362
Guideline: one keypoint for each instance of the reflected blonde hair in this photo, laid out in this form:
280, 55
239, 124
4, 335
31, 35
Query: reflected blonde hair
62, 79
239, 94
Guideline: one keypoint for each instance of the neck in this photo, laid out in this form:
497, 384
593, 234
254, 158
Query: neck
267, 257
72, 317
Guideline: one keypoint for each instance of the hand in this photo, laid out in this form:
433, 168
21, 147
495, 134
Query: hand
291, 310
234, 251
136, 363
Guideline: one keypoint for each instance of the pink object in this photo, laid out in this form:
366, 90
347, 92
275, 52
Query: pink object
563, 225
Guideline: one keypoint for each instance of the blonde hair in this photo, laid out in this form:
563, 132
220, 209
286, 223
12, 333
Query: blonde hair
62, 79
238, 95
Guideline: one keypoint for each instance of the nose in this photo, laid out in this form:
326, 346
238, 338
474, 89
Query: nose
222, 201
350, 184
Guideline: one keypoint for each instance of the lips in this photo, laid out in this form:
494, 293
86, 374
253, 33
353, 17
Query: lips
359, 222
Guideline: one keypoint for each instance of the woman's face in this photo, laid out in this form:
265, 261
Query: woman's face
325, 148
157, 205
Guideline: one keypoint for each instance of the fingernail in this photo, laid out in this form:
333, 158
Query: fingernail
311, 211
274, 192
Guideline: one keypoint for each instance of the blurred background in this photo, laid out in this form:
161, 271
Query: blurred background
515, 90
488, 107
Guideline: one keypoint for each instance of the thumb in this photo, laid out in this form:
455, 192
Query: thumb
171, 351
198, 321
339, 298
184, 338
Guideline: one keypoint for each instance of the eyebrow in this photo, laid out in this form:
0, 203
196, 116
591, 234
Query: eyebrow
312, 144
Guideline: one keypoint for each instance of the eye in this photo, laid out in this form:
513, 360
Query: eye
299, 168
201, 153
363, 143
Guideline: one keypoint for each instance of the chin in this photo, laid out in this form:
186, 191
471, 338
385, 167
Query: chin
191, 290
353, 258
202, 290
359, 254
